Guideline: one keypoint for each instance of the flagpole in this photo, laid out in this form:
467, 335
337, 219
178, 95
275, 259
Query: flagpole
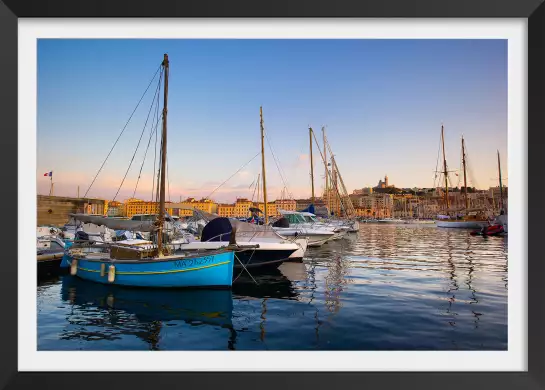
51, 183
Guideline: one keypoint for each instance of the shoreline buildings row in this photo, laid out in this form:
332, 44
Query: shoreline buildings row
381, 201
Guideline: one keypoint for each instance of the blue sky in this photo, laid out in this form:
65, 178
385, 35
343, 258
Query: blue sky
382, 102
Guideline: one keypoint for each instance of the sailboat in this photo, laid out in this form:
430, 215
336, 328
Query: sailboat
502, 218
471, 218
283, 227
267, 249
338, 226
146, 264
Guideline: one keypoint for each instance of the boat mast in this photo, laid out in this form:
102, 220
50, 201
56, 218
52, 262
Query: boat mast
501, 188
311, 164
445, 172
326, 172
334, 185
161, 216
258, 187
266, 219
465, 179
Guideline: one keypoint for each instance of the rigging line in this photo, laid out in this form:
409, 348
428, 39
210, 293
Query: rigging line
218, 187
153, 129
255, 188
154, 162
159, 171
437, 163
168, 181
122, 131
139, 140
275, 161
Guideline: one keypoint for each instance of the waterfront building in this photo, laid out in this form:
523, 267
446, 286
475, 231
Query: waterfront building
384, 184
242, 208
115, 209
135, 206
55, 210
226, 210
205, 205
272, 210
286, 204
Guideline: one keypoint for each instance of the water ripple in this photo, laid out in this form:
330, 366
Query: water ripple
386, 288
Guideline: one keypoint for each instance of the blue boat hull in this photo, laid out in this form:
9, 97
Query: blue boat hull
211, 270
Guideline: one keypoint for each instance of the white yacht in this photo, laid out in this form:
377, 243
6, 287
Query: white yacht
292, 224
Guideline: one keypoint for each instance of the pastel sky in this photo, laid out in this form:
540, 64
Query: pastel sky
382, 102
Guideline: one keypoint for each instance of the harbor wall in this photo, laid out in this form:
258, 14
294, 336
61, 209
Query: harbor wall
55, 210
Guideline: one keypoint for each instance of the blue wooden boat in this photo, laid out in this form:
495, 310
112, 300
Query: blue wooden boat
151, 264
212, 269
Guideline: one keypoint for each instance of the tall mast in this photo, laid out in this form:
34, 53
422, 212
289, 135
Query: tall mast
445, 172
258, 187
465, 180
263, 166
326, 172
311, 163
161, 216
501, 188
334, 184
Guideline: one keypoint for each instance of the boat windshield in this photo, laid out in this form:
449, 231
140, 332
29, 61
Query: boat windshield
294, 218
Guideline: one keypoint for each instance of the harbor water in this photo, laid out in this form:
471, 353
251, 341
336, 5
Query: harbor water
388, 287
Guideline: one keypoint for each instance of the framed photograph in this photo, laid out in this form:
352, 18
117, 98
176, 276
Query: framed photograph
311, 191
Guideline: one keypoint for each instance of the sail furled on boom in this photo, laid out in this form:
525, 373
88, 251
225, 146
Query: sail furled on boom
117, 224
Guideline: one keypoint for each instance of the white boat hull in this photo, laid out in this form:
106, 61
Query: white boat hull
391, 221
315, 238
462, 224
502, 220
300, 253
420, 222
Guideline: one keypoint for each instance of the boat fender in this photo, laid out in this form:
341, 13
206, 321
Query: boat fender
102, 270
111, 273
74, 267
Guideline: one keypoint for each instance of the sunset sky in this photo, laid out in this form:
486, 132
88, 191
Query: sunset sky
382, 102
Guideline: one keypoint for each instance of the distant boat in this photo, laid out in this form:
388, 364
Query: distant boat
502, 218
293, 225
340, 226
142, 264
307, 220
49, 253
466, 218
391, 220
419, 221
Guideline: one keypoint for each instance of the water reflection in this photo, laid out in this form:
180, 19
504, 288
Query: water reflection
388, 287
114, 311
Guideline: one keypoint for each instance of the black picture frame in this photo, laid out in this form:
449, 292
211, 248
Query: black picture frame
532, 10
